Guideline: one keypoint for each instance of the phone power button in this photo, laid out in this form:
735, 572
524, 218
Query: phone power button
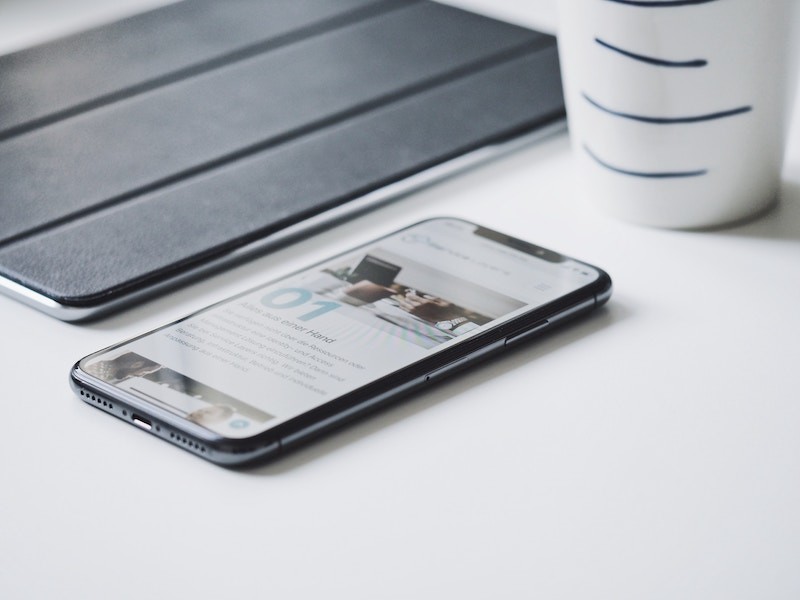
527, 333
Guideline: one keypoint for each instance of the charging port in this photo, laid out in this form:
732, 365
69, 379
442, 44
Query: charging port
142, 422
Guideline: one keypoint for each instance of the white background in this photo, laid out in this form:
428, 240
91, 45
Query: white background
652, 451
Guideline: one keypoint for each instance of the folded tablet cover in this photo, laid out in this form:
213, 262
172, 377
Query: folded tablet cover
136, 151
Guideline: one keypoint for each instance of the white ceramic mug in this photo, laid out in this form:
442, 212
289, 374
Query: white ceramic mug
678, 108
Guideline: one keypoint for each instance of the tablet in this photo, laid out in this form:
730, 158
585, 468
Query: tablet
146, 153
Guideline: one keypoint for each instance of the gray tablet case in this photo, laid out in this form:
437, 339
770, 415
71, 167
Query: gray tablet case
144, 153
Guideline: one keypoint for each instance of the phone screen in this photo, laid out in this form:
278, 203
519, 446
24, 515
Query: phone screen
257, 360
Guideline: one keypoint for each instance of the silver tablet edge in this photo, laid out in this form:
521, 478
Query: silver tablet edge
330, 217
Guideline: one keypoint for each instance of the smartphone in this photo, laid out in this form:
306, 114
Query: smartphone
251, 377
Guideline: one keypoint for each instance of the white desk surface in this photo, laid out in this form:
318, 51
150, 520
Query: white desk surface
650, 452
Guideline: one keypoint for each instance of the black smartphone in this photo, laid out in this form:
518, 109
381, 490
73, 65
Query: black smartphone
248, 378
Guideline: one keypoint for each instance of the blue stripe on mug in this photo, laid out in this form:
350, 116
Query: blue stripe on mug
661, 3
646, 174
669, 120
659, 62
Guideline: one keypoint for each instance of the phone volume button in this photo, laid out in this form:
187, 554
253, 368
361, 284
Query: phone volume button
465, 360
528, 332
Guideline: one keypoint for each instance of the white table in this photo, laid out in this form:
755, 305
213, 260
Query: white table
650, 452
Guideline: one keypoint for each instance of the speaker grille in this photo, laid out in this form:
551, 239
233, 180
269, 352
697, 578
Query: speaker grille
178, 438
